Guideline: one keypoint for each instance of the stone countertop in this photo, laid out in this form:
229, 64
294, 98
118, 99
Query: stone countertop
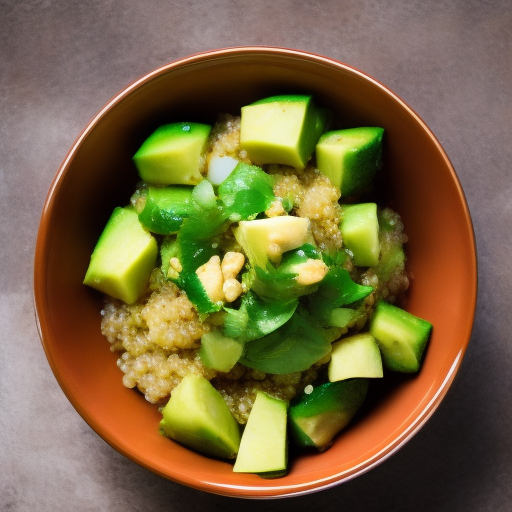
61, 61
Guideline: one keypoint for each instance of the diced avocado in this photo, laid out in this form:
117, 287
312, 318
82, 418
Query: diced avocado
350, 158
173, 154
342, 317
281, 130
264, 445
360, 230
316, 417
197, 416
264, 239
165, 208
401, 336
219, 352
355, 357
123, 258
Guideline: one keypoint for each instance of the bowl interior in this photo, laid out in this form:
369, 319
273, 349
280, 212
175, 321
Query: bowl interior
98, 174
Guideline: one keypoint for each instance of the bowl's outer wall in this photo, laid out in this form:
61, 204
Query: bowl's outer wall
98, 175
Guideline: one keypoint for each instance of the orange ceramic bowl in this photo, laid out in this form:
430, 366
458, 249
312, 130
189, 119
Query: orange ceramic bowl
98, 174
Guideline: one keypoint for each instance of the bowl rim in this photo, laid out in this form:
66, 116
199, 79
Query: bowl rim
243, 491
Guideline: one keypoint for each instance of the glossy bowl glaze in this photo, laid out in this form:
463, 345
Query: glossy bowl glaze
98, 174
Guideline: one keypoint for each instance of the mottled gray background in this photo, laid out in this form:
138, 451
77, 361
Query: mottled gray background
61, 61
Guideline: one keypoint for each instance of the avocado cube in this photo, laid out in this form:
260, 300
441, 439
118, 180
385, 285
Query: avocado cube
350, 158
263, 448
342, 317
123, 258
219, 352
356, 356
281, 130
316, 417
174, 154
264, 239
360, 231
197, 416
401, 336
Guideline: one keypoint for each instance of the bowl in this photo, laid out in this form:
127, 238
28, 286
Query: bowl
98, 174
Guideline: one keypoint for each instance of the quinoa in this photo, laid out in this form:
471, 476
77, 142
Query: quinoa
158, 337
225, 138
315, 197
240, 385
389, 279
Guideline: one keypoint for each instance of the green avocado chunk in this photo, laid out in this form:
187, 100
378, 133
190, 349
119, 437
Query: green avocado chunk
173, 154
264, 239
219, 352
282, 130
356, 356
264, 445
402, 337
165, 208
360, 230
197, 416
123, 258
315, 418
342, 317
350, 158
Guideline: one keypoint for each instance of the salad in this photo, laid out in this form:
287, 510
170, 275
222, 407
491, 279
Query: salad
250, 282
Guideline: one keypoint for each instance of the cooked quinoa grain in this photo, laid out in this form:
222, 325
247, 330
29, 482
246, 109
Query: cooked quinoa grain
150, 333
225, 139
239, 387
315, 197
159, 339
389, 279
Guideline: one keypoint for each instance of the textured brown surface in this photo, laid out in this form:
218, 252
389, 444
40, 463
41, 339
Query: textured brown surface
62, 61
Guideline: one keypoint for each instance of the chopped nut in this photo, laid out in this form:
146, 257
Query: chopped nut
232, 289
276, 209
310, 272
175, 264
172, 273
174, 268
274, 252
210, 275
139, 202
232, 263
